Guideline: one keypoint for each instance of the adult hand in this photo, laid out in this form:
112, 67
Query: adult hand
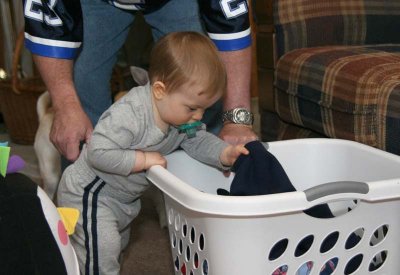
70, 126
237, 133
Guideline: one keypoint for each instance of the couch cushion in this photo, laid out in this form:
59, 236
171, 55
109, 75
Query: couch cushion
350, 92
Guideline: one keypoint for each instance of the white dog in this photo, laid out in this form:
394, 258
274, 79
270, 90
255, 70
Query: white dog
48, 156
50, 160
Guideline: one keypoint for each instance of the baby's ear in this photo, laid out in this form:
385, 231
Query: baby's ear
158, 90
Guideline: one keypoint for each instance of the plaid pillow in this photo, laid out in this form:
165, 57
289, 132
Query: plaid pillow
312, 23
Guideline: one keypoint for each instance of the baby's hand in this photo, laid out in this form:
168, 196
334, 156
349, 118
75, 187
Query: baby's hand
154, 158
144, 160
231, 153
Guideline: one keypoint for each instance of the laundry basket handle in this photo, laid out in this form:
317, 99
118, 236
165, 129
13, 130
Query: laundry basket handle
337, 187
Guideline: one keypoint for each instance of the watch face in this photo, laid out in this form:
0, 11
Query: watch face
242, 116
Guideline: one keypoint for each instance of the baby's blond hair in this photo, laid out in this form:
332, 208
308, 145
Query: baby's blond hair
187, 57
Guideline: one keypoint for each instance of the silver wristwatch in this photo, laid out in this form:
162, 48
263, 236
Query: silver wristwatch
238, 116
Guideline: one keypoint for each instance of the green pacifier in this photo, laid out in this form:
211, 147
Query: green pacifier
189, 128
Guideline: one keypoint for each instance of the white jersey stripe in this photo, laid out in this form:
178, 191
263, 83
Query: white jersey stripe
229, 36
131, 7
56, 43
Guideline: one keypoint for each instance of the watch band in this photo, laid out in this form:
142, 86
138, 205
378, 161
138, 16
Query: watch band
238, 116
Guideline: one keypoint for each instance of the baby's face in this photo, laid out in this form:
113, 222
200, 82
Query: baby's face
186, 104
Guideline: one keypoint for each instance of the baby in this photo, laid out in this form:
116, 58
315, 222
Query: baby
106, 182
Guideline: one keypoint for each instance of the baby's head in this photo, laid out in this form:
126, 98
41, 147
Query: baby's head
186, 64
187, 58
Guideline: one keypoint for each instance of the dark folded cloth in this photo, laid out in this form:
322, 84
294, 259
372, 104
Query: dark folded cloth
27, 245
259, 173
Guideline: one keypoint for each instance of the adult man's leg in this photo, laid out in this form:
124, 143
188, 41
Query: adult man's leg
105, 29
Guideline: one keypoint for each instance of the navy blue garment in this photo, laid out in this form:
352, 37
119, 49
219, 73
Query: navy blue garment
260, 173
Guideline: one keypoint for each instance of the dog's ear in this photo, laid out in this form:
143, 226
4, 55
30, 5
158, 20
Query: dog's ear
140, 75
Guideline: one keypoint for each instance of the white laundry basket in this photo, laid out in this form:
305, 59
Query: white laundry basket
227, 235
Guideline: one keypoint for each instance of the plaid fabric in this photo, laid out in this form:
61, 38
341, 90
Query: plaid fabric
350, 92
313, 23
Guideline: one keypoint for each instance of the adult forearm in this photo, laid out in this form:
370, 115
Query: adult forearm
71, 124
238, 67
57, 75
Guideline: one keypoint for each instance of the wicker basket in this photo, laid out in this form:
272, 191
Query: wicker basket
18, 98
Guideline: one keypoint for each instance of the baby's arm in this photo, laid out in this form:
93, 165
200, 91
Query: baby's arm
231, 153
144, 160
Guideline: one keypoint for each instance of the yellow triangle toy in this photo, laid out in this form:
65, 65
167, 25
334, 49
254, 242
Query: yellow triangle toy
69, 217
